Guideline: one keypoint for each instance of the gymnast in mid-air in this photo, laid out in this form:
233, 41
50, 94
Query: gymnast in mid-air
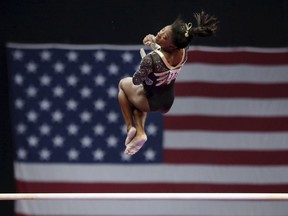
151, 88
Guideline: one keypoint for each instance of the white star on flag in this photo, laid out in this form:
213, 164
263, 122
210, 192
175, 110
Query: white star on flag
99, 56
72, 56
18, 55
31, 67
45, 55
59, 67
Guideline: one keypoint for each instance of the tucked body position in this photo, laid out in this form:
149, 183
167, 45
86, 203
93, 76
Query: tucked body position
151, 88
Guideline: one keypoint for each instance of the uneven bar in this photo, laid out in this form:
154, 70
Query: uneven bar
144, 196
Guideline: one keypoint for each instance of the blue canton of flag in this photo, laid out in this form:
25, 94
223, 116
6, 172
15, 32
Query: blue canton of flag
64, 103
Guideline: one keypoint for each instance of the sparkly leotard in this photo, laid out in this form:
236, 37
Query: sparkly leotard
158, 77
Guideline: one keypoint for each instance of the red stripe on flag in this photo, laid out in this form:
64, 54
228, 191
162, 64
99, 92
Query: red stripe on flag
162, 187
216, 123
231, 90
242, 57
239, 157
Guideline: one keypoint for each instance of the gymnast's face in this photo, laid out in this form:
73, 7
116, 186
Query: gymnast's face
164, 37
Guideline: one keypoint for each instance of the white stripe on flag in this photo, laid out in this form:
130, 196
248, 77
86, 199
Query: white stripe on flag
229, 107
233, 73
139, 46
225, 141
161, 173
156, 208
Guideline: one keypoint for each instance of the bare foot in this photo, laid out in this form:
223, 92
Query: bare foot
130, 135
135, 145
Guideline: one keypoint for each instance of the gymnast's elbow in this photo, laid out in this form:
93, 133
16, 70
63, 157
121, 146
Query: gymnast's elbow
136, 80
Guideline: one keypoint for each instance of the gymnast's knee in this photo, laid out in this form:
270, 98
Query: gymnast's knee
124, 81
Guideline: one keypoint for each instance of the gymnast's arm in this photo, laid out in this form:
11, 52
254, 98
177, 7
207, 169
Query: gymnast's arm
144, 69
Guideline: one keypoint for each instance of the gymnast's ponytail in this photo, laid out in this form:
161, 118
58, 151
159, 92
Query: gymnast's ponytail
206, 25
184, 32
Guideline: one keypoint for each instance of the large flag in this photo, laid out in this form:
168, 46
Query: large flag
226, 132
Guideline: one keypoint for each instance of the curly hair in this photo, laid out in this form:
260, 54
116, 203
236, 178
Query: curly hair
183, 32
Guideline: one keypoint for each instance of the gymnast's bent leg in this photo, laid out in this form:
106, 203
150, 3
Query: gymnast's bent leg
127, 113
141, 137
132, 97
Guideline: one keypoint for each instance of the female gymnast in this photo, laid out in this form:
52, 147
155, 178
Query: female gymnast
151, 88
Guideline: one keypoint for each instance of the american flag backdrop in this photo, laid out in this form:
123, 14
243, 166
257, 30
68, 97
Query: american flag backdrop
226, 132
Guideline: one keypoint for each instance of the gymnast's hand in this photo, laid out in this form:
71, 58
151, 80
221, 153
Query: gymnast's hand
149, 39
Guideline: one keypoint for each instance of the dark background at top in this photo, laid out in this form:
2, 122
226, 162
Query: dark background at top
243, 23
255, 23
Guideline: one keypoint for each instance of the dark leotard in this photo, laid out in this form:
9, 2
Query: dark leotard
158, 77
